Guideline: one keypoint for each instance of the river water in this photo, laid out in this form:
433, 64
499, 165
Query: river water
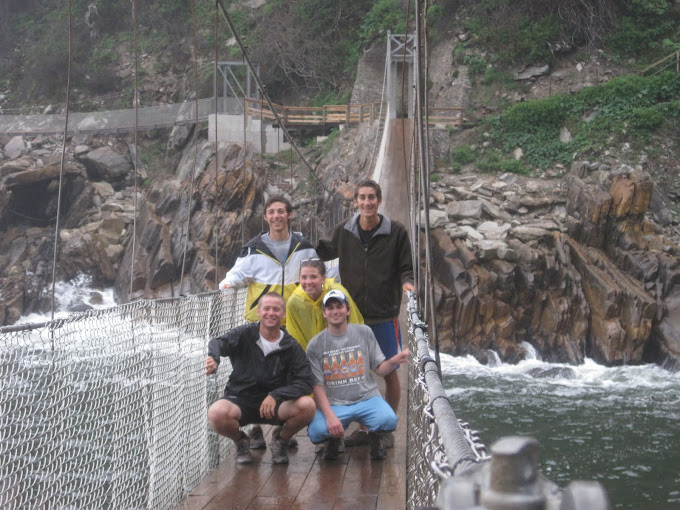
619, 426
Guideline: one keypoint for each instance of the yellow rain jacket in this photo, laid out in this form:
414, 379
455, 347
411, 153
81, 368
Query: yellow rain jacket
258, 268
304, 317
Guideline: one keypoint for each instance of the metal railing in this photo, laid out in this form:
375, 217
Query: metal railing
108, 409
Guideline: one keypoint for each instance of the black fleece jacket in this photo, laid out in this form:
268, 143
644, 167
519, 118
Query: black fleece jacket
285, 374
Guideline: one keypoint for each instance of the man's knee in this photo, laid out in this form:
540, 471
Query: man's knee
307, 408
221, 412
317, 430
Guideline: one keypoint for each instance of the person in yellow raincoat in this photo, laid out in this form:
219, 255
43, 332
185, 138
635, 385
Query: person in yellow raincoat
304, 309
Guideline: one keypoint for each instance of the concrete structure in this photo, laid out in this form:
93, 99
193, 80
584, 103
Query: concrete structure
232, 128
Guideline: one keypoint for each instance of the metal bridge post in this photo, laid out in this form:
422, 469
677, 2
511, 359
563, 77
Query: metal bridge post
512, 481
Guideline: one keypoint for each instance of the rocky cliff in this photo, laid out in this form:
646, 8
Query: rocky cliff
577, 266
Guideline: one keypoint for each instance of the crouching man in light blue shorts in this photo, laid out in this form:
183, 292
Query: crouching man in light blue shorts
342, 357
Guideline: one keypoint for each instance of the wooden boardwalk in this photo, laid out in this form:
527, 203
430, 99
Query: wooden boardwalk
353, 481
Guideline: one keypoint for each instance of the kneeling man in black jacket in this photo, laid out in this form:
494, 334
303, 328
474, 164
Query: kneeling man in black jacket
270, 383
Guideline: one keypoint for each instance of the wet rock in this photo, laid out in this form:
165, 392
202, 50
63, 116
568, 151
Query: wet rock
552, 373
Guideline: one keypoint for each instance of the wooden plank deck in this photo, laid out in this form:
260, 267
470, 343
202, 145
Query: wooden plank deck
353, 481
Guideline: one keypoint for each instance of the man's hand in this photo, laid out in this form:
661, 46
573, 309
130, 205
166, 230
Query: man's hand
401, 357
268, 407
390, 365
408, 286
225, 286
335, 427
210, 366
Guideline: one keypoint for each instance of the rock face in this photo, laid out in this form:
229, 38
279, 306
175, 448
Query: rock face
97, 222
576, 267
198, 229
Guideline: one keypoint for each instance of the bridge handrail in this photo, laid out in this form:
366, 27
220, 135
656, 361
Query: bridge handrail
442, 447
314, 115
667, 61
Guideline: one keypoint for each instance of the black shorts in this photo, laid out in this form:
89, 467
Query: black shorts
250, 413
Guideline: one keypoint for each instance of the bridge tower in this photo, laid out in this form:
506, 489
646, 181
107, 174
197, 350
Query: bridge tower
400, 86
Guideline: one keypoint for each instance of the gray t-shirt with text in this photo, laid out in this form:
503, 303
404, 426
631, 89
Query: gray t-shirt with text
342, 364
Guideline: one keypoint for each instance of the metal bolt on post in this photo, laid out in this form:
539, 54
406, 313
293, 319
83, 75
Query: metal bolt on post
513, 481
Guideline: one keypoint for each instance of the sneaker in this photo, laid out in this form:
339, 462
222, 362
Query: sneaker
377, 450
292, 442
388, 440
279, 449
243, 455
357, 438
256, 437
331, 449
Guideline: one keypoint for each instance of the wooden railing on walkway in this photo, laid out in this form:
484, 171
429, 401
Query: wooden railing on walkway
339, 114
315, 115
664, 64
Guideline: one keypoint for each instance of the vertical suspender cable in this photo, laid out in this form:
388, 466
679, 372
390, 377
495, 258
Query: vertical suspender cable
187, 223
63, 153
425, 167
136, 100
217, 145
426, 197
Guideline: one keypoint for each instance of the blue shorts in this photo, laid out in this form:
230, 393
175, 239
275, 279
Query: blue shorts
388, 335
374, 413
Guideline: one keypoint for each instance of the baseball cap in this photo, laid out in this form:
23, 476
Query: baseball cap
335, 294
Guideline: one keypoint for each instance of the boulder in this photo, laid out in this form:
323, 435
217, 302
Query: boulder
105, 164
15, 147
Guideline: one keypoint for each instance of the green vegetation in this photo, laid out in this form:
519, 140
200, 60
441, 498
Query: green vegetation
153, 153
531, 31
627, 107
494, 162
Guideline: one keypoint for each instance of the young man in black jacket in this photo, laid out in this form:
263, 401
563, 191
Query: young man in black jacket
270, 382
376, 268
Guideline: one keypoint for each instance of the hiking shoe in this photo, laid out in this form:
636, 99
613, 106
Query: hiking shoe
292, 442
388, 440
256, 437
377, 450
357, 438
279, 449
331, 449
243, 455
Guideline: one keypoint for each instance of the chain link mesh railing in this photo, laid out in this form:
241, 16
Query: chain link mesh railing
439, 445
108, 409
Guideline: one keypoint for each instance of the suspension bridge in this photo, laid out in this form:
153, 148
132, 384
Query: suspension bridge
108, 409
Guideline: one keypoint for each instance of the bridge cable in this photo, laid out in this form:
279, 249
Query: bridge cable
265, 95
136, 101
216, 225
434, 332
423, 133
382, 102
187, 223
63, 154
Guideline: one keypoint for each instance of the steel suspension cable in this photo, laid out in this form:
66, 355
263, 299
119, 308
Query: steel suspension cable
422, 73
265, 95
382, 101
136, 100
63, 154
215, 229
187, 223
426, 198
